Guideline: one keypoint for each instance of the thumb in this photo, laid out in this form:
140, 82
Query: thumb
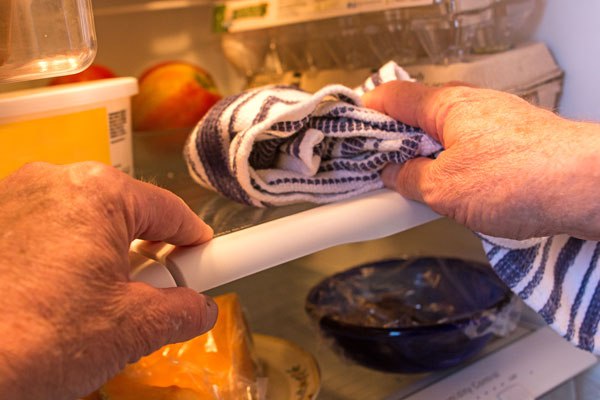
411, 179
157, 317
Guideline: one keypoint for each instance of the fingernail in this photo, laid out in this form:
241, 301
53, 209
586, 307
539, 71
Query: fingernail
210, 232
366, 98
389, 174
212, 311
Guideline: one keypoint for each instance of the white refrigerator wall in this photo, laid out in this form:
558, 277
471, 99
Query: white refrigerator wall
130, 42
571, 29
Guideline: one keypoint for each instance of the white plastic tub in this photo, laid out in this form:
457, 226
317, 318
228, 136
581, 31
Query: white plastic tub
68, 123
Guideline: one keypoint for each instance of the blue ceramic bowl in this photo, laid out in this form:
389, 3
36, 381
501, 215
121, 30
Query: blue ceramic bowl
411, 316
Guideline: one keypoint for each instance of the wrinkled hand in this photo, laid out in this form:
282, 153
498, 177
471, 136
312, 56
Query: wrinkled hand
509, 169
70, 317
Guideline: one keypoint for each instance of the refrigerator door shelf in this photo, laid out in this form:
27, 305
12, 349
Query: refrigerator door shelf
244, 252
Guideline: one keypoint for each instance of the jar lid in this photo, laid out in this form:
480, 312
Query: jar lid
72, 95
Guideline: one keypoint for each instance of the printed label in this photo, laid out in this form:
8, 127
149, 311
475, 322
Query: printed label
239, 16
117, 122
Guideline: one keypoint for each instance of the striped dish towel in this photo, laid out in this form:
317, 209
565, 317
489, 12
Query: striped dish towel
279, 145
557, 276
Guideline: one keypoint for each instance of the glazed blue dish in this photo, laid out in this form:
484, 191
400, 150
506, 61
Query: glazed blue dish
414, 315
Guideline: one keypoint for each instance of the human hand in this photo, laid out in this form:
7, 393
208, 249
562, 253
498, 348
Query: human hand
509, 169
71, 317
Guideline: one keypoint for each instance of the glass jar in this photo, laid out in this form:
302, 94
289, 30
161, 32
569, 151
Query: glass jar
45, 38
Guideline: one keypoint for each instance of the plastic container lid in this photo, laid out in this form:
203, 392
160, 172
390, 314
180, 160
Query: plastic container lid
74, 95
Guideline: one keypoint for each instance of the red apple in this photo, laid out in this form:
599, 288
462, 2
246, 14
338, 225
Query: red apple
91, 73
172, 94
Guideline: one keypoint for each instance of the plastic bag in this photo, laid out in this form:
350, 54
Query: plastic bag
218, 365
416, 292
412, 316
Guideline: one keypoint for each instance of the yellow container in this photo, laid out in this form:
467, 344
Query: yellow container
68, 123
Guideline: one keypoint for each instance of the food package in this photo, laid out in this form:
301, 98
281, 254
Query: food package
218, 365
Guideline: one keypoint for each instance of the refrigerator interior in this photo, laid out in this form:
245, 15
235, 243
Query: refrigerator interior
135, 34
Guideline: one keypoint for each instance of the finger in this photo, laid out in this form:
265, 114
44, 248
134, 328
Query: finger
408, 102
161, 215
149, 212
409, 179
156, 317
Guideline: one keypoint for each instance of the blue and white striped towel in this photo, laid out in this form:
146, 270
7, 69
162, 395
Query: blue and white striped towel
559, 277
279, 145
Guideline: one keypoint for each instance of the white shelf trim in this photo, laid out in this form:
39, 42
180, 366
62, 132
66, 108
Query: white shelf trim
148, 6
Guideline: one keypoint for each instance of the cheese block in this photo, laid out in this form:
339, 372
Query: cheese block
218, 365
125, 388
